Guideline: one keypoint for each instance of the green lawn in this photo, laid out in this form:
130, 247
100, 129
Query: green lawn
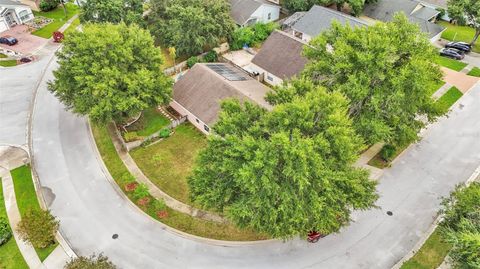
58, 17
378, 162
175, 219
168, 163
435, 86
474, 72
27, 199
10, 256
459, 33
449, 98
150, 122
8, 63
3, 55
430, 255
451, 63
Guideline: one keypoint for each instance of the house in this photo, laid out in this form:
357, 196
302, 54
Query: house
198, 94
416, 11
13, 13
249, 12
319, 19
279, 58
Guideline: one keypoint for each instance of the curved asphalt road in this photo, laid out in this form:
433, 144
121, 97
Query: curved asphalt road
91, 210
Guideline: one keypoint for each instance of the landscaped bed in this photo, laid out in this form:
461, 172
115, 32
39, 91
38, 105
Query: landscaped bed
172, 218
431, 254
459, 33
451, 63
168, 163
58, 17
27, 199
10, 255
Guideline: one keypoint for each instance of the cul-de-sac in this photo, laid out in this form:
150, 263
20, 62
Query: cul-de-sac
283, 134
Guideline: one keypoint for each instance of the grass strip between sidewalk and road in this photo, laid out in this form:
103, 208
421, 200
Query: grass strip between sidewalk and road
27, 199
10, 255
431, 254
451, 63
174, 219
475, 72
449, 98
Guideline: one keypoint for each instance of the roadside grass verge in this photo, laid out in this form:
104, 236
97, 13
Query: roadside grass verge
150, 122
8, 63
27, 199
449, 98
10, 255
450, 63
169, 162
59, 19
72, 27
431, 254
459, 33
175, 219
379, 162
475, 72
432, 88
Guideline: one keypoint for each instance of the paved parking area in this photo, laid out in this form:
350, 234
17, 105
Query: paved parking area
27, 43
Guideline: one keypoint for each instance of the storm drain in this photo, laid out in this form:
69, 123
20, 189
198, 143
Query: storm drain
115, 236
390, 213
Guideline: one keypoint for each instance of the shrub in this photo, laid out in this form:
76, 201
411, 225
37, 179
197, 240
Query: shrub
131, 136
211, 56
47, 5
38, 227
92, 262
387, 152
5, 232
159, 205
131, 186
144, 201
140, 192
192, 61
251, 35
165, 132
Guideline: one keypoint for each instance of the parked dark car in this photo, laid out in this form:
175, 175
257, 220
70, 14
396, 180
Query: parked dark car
465, 47
9, 40
452, 53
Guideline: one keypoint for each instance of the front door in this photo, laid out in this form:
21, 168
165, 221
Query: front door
10, 20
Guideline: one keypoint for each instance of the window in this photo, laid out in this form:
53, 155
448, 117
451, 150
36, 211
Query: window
24, 15
269, 16
206, 128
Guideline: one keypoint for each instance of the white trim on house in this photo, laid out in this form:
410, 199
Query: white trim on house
200, 125
13, 14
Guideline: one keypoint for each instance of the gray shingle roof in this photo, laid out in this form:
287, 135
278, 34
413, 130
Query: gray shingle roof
281, 55
431, 29
319, 19
426, 13
242, 10
11, 3
201, 91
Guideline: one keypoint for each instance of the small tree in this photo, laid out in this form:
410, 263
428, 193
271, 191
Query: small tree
466, 12
38, 227
47, 5
91, 262
110, 72
114, 11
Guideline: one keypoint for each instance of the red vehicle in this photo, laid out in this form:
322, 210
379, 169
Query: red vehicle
314, 236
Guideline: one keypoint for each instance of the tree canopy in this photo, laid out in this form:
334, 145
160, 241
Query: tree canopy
461, 226
466, 12
356, 6
114, 11
110, 71
190, 25
386, 71
286, 171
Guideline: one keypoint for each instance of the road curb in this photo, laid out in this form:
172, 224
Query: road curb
185, 235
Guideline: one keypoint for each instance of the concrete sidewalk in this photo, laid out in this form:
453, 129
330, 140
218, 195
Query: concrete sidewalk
365, 157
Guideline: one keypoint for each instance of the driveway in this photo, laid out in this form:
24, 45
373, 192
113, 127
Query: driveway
458, 79
91, 209
27, 43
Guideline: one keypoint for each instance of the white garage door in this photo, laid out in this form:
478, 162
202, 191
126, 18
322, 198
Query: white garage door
3, 25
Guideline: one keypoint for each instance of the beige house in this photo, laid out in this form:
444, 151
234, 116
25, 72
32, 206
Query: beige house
280, 58
13, 13
199, 93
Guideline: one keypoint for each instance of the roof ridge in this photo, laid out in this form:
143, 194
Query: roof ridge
341, 14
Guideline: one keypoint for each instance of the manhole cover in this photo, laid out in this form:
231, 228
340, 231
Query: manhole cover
390, 213
115, 236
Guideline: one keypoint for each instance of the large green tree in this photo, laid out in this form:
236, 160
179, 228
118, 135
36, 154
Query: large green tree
461, 226
190, 26
110, 71
114, 11
286, 171
466, 12
356, 6
385, 70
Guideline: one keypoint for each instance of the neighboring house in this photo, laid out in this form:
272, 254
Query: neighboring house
280, 58
198, 94
249, 12
416, 11
13, 13
319, 19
